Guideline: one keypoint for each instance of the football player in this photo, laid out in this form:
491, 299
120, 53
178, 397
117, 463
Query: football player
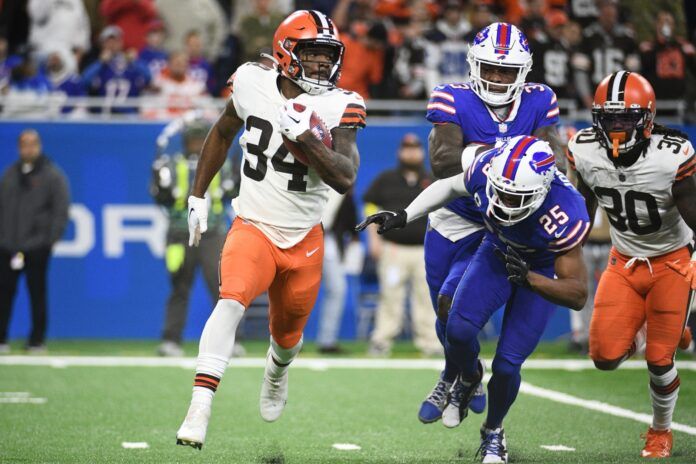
276, 242
494, 106
642, 175
530, 261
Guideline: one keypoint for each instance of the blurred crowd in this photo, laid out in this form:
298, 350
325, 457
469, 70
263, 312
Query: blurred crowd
177, 51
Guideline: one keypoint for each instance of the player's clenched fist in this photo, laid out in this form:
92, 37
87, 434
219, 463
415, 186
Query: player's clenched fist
688, 270
294, 119
387, 220
197, 219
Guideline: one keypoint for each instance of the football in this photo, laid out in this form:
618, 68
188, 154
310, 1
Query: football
318, 129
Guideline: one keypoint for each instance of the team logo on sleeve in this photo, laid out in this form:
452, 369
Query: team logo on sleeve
541, 161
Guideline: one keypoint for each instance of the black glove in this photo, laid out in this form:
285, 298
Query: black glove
387, 220
516, 267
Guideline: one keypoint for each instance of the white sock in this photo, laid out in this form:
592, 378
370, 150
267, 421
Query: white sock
281, 358
664, 390
215, 349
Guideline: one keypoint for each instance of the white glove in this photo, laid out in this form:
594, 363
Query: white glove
294, 119
197, 219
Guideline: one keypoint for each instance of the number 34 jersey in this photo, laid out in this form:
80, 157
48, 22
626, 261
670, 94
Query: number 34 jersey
278, 194
638, 199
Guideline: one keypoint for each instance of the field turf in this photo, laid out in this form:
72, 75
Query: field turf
90, 411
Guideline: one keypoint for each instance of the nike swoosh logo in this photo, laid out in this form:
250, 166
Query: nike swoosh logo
296, 120
560, 234
310, 253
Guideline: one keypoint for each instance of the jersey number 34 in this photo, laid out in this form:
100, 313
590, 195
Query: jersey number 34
297, 182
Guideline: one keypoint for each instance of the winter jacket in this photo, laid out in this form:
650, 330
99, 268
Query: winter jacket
33, 206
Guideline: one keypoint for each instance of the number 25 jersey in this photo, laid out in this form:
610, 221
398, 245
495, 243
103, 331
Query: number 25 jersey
278, 194
638, 199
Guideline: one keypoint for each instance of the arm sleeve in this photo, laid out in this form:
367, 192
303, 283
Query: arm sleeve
688, 167
548, 108
354, 114
441, 107
439, 193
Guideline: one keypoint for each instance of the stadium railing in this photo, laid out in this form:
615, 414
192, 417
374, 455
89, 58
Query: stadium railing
57, 107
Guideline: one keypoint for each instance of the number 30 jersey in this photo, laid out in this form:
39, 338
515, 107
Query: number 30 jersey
638, 199
278, 194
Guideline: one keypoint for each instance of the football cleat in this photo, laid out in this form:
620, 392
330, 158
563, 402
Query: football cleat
192, 431
431, 408
459, 400
686, 339
658, 444
493, 449
274, 393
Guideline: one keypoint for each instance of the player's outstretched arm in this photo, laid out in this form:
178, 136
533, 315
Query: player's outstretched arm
438, 194
215, 148
337, 167
569, 288
445, 144
550, 135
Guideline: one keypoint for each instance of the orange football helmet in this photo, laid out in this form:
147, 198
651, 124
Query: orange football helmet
623, 112
307, 28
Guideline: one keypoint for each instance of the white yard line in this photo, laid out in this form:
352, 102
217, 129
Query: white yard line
598, 406
357, 363
308, 363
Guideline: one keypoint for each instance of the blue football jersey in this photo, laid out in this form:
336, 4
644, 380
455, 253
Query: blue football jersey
560, 223
458, 104
117, 80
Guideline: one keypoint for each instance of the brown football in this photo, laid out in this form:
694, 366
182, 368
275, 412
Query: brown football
317, 128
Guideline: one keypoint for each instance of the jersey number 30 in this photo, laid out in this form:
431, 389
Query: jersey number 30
298, 170
630, 220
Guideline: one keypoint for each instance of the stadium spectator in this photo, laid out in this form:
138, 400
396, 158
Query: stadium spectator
667, 59
409, 64
34, 200
182, 16
447, 47
553, 55
171, 182
481, 15
133, 17
339, 221
61, 69
7, 62
534, 20
256, 29
363, 59
583, 12
62, 23
353, 16
14, 24
607, 47
153, 53
177, 90
29, 88
199, 66
399, 254
116, 75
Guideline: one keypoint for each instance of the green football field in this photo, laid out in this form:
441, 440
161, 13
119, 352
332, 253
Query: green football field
67, 408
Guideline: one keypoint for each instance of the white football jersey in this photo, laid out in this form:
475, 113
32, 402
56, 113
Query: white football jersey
281, 196
638, 199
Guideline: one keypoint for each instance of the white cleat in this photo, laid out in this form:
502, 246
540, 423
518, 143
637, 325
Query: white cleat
192, 431
274, 395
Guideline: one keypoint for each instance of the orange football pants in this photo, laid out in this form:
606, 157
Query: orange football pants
628, 297
251, 264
